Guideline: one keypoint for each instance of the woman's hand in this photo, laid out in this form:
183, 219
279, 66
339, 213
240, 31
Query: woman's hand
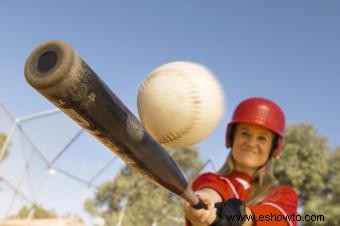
201, 217
246, 222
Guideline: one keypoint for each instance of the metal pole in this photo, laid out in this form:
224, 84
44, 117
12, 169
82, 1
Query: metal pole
154, 223
23, 175
39, 114
16, 124
66, 147
102, 170
11, 186
212, 162
122, 212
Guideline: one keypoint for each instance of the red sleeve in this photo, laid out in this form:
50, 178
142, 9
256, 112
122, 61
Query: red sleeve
280, 204
213, 181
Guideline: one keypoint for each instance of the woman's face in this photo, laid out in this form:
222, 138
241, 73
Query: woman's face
251, 147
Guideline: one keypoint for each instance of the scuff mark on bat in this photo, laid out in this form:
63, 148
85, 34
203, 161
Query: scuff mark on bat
134, 129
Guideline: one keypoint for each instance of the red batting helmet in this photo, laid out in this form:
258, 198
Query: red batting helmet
262, 112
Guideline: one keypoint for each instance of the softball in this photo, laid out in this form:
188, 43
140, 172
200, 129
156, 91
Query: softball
180, 103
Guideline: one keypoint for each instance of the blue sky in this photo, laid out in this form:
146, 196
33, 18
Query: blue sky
287, 51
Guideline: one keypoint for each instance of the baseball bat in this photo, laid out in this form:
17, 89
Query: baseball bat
58, 73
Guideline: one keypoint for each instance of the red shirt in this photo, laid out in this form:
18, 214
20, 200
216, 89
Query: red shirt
281, 201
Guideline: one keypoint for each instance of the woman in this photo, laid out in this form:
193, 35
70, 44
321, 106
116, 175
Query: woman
245, 185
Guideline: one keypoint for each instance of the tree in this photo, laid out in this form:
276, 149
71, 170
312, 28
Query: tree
2, 141
328, 202
4, 156
304, 161
38, 213
334, 180
146, 203
308, 165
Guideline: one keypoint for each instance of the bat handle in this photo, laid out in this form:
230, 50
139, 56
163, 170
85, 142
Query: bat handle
200, 205
193, 199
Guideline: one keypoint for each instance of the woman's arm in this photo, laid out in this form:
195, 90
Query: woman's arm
213, 195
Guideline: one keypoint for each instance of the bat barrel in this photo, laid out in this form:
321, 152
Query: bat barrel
58, 73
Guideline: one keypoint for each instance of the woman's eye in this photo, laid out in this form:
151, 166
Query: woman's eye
263, 139
244, 133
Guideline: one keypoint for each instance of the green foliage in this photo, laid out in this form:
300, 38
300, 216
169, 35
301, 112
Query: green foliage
334, 177
2, 141
304, 161
147, 203
38, 213
326, 207
4, 155
308, 165
328, 203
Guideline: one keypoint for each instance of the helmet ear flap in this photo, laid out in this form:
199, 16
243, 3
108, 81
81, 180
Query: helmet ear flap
230, 135
275, 145
278, 149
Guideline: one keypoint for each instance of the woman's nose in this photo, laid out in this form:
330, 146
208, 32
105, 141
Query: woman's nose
251, 141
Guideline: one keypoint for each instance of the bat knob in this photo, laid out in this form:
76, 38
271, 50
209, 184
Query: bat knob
200, 205
52, 64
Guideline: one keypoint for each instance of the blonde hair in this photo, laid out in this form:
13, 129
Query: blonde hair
263, 178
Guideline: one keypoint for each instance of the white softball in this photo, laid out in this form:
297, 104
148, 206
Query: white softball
180, 103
